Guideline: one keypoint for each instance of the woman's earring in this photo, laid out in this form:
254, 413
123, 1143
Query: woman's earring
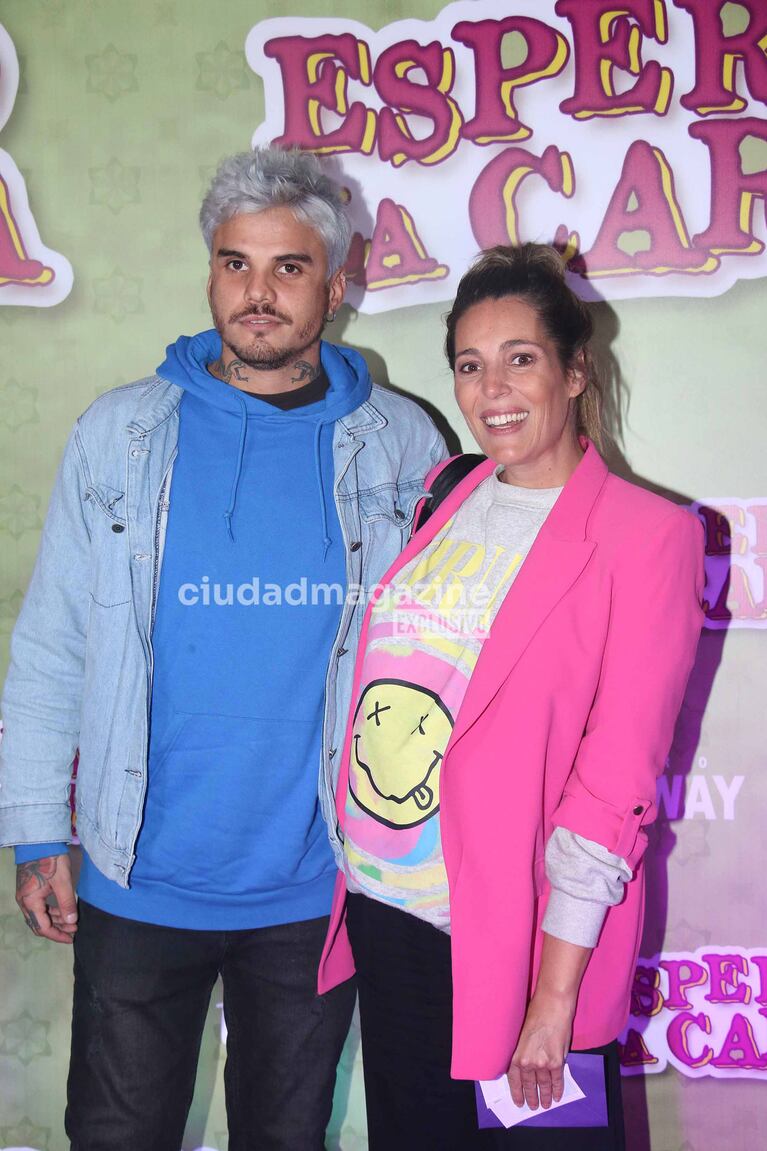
329, 317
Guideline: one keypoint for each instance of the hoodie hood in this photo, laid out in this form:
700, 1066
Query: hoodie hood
186, 365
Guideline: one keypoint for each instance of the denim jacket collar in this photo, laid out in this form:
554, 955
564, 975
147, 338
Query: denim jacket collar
159, 401
365, 418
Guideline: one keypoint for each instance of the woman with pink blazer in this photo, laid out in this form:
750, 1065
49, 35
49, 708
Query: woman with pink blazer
517, 684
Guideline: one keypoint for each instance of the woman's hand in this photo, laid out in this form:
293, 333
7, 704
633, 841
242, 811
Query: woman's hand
537, 1066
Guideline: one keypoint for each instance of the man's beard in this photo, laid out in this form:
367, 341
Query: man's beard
262, 358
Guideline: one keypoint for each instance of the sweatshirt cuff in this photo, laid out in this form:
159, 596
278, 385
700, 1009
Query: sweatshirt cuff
576, 921
28, 852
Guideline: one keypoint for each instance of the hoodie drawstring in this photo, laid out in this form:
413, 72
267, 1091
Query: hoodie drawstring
326, 541
228, 514
186, 367
237, 468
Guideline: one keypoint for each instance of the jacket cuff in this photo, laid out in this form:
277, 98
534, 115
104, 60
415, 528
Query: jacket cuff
35, 823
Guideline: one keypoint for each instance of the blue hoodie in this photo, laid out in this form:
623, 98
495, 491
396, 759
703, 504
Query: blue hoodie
232, 835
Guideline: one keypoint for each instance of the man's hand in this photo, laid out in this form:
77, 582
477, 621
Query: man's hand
46, 896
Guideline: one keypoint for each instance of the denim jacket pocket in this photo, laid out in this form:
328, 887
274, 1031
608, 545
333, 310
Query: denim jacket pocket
386, 513
110, 568
108, 499
391, 502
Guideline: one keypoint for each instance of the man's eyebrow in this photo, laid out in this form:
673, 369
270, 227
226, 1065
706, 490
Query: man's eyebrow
283, 258
294, 258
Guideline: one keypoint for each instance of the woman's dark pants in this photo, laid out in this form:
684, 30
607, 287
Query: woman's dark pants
405, 993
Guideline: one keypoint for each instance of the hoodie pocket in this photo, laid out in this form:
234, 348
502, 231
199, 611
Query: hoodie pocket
232, 806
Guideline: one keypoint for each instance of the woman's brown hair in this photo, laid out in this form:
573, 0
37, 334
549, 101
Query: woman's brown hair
535, 273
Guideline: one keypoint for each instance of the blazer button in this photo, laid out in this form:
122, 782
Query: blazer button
638, 809
355, 545
118, 528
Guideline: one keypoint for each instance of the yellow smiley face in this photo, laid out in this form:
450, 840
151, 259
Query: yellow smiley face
399, 738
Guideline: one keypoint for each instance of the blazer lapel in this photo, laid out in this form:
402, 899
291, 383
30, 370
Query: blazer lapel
556, 559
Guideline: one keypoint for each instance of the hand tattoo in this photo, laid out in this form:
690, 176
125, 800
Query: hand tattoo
37, 898
305, 372
225, 371
35, 875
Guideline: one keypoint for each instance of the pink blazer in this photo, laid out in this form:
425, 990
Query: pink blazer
567, 721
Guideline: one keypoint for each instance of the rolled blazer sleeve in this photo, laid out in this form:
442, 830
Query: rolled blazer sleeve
655, 622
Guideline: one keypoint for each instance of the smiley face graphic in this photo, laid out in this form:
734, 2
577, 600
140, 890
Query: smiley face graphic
398, 741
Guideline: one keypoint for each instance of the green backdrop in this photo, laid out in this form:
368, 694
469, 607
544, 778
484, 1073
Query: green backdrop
122, 114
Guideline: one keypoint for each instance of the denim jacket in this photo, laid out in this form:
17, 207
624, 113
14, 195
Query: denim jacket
81, 655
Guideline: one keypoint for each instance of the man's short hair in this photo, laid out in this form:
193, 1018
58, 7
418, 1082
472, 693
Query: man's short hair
280, 178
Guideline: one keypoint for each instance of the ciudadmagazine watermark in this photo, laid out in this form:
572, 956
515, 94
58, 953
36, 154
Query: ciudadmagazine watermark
430, 606
260, 593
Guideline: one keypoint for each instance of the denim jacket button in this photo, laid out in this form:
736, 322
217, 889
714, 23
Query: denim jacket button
118, 527
355, 545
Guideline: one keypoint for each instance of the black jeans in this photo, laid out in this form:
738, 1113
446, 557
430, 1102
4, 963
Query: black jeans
406, 994
140, 1003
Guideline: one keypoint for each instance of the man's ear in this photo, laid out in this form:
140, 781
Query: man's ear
209, 286
336, 290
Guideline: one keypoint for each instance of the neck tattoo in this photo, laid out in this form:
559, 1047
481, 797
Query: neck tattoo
234, 368
237, 372
304, 372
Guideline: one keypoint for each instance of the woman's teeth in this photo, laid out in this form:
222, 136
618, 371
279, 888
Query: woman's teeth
508, 418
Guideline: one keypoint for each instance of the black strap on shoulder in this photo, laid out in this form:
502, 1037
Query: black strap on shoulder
444, 483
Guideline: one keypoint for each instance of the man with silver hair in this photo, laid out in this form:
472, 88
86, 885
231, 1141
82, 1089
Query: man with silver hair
190, 629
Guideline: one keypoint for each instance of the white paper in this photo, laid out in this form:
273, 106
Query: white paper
497, 1096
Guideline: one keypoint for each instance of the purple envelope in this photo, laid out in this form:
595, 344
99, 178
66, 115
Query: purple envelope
588, 1071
